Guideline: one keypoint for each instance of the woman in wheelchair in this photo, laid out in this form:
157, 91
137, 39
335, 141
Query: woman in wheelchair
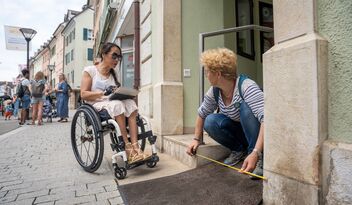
97, 83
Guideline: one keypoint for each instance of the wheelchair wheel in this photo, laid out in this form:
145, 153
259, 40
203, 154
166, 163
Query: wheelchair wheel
87, 140
120, 173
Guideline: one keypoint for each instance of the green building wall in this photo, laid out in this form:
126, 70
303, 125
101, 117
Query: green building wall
200, 16
335, 24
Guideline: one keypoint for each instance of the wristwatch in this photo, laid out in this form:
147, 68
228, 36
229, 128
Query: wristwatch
259, 154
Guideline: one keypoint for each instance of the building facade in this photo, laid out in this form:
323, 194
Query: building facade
78, 49
304, 73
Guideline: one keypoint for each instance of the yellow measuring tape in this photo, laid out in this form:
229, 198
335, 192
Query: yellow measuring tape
249, 173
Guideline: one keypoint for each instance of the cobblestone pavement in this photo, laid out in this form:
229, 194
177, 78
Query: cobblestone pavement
37, 166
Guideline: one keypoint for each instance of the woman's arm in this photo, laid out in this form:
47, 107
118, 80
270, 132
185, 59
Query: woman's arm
198, 135
86, 86
250, 162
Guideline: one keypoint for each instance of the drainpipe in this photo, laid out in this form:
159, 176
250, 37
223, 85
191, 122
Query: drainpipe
137, 75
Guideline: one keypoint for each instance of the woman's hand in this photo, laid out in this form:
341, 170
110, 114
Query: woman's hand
250, 162
192, 148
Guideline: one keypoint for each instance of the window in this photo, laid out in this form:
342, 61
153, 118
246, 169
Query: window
66, 40
72, 55
73, 33
127, 64
67, 57
70, 37
53, 51
87, 34
90, 54
245, 39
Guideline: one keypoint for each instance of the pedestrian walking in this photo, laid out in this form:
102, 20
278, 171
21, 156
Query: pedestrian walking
37, 90
25, 95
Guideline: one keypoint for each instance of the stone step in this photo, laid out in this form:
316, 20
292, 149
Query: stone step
176, 146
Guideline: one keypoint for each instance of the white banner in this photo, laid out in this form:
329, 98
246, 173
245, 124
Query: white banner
14, 39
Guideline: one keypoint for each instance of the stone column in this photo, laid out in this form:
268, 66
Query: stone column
295, 84
166, 52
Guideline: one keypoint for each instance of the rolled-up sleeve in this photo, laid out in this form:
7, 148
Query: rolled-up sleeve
209, 104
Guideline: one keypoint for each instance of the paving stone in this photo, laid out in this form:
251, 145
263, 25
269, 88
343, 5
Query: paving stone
21, 202
107, 195
3, 193
37, 166
76, 200
55, 197
8, 198
8, 183
116, 200
33, 194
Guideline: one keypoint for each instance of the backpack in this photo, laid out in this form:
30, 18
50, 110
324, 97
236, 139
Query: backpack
20, 90
216, 90
37, 89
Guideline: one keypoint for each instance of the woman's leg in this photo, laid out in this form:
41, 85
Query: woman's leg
40, 112
121, 121
132, 123
34, 112
226, 132
250, 125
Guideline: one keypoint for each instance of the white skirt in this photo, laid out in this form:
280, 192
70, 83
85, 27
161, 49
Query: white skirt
117, 107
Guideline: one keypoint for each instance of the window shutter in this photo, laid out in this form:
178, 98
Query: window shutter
90, 54
85, 34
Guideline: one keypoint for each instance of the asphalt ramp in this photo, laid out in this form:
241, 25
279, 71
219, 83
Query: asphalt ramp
209, 184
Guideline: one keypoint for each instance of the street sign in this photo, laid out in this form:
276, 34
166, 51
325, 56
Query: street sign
14, 39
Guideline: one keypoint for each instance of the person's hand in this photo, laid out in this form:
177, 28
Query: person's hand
250, 162
109, 90
192, 148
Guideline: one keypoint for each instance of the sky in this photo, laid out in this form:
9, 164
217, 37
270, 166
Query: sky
41, 15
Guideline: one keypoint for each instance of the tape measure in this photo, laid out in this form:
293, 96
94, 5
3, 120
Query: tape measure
231, 167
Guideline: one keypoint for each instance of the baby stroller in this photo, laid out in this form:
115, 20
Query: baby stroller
48, 109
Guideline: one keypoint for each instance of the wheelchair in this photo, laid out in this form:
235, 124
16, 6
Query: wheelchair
88, 129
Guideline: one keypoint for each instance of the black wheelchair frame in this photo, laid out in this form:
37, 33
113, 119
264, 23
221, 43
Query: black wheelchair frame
88, 129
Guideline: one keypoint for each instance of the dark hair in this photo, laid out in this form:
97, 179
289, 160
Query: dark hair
105, 49
24, 72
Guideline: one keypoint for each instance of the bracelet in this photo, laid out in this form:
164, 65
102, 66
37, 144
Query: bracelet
196, 139
259, 154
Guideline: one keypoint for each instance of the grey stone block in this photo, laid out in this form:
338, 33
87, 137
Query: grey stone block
76, 200
107, 195
116, 200
33, 194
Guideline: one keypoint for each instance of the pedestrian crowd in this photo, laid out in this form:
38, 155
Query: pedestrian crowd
36, 97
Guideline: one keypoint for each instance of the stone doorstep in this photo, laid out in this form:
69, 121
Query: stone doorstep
176, 146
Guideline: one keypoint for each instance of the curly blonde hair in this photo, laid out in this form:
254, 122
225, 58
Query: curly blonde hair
39, 75
220, 59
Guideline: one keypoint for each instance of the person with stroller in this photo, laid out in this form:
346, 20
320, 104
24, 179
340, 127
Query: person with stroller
62, 96
97, 83
239, 125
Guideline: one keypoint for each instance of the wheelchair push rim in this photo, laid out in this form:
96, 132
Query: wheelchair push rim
87, 141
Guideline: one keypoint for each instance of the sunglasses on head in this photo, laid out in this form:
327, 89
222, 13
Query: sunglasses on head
116, 56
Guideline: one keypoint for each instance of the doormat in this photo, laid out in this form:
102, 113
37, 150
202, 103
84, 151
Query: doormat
209, 184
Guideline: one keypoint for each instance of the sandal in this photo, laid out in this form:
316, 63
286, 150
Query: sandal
60, 119
132, 155
140, 152
64, 120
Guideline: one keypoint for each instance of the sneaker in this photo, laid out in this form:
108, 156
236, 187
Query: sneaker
258, 169
235, 158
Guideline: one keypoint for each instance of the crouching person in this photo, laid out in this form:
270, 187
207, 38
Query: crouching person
239, 123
